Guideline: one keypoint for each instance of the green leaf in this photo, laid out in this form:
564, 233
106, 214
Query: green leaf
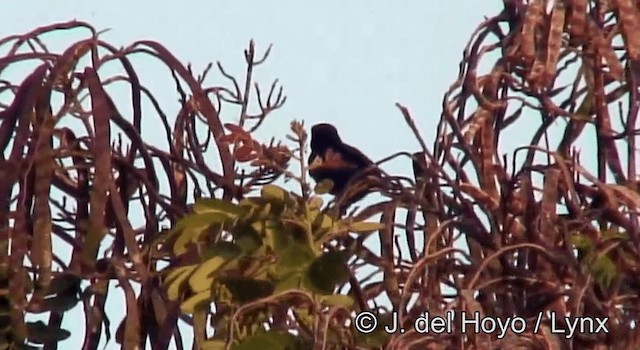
172, 273
304, 315
580, 241
274, 193
271, 340
62, 294
191, 227
262, 213
316, 202
322, 225
213, 345
366, 227
247, 289
297, 230
250, 210
614, 234
204, 219
328, 271
323, 186
63, 283
248, 237
214, 205
226, 250
40, 333
202, 278
292, 280
174, 279
337, 300
604, 271
256, 210
274, 235
294, 257
198, 300
61, 302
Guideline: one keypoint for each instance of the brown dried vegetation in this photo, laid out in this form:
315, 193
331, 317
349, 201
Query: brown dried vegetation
542, 233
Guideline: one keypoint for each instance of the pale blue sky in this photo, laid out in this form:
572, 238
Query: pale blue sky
341, 62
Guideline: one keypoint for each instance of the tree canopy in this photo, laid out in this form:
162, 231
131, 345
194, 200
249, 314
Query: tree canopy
540, 234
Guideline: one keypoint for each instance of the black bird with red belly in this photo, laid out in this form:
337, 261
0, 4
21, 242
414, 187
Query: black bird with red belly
335, 160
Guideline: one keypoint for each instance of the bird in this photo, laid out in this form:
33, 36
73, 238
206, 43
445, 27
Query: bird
419, 164
337, 161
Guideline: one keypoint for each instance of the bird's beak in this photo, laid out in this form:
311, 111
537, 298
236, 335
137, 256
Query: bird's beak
316, 163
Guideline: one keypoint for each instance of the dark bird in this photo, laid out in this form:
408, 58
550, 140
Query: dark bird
335, 160
419, 164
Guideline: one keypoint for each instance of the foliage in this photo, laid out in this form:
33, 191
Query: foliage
85, 170
274, 245
476, 228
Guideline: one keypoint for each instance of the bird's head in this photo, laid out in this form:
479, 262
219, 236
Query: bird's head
324, 136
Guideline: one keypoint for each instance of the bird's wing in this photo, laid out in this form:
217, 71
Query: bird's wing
338, 160
333, 159
354, 156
